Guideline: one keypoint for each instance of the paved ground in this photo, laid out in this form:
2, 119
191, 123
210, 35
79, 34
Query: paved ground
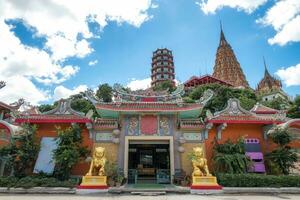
165, 197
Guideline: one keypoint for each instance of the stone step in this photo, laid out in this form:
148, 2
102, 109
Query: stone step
149, 193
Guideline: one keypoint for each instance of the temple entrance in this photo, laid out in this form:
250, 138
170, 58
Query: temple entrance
149, 161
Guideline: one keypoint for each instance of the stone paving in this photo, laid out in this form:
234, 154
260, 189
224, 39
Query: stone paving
164, 197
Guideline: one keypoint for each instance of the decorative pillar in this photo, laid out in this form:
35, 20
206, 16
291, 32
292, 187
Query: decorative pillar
206, 130
220, 128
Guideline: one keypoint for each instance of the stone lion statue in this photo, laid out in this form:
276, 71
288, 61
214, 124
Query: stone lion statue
199, 163
98, 162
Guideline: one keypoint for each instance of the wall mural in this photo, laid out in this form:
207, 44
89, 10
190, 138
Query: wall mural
103, 136
189, 136
166, 124
132, 125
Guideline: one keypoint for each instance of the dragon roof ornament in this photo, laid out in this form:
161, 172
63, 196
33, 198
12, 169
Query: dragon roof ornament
63, 107
140, 95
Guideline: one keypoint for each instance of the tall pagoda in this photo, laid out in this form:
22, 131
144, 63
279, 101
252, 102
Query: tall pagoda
162, 67
227, 68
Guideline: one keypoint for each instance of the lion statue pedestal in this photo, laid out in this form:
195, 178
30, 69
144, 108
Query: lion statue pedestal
95, 178
201, 178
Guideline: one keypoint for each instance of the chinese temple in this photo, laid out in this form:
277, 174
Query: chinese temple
150, 134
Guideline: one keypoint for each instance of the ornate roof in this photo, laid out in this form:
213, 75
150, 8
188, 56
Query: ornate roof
234, 113
191, 124
62, 113
172, 104
195, 81
104, 124
258, 108
148, 95
227, 67
269, 83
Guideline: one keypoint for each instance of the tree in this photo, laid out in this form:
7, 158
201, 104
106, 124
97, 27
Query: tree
165, 85
81, 104
294, 111
282, 157
69, 151
22, 152
230, 157
104, 92
46, 107
277, 103
222, 95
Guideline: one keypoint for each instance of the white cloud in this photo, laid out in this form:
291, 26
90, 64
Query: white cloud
65, 26
283, 16
287, 25
18, 87
142, 84
211, 6
290, 75
63, 92
93, 62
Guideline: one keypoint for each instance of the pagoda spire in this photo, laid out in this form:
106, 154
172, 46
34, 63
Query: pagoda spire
266, 69
222, 36
227, 68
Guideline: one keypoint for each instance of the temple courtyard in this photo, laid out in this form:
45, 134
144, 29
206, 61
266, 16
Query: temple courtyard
132, 197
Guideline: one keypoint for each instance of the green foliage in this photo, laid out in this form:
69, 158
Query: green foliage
21, 153
222, 95
278, 104
104, 92
69, 151
46, 107
188, 100
281, 137
294, 110
81, 104
257, 180
282, 157
230, 157
34, 181
164, 85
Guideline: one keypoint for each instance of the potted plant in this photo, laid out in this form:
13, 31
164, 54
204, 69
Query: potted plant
119, 180
111, 171
186, 181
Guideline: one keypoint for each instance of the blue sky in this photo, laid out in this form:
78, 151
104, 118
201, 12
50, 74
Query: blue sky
121, 45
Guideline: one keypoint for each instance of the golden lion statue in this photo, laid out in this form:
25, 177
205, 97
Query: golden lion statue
199, 163
98, 162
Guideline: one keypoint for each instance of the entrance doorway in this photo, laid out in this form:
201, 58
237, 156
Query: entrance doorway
150, 163
149, 159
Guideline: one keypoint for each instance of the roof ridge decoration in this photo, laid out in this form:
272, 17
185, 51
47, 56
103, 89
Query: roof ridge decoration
233, 108
258, 104
63, 107
136, 96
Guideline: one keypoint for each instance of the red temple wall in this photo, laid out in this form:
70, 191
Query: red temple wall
49, 130
233, 132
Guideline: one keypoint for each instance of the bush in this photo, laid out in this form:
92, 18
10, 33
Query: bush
69, 151
32, 181
282, 157
230, 157
257, 180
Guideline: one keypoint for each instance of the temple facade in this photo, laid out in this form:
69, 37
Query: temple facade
150, 134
